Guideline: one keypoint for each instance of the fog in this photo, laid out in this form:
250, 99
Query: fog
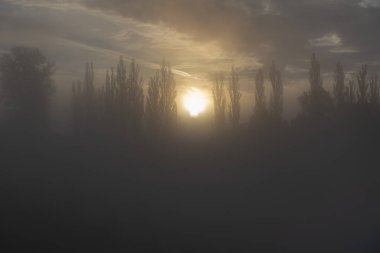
189, 126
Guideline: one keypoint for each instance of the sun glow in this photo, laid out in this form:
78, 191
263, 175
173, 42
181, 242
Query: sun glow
195, 102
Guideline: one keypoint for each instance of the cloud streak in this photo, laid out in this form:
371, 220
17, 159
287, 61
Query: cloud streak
267, 29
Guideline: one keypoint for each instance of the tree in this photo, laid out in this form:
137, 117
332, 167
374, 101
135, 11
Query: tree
85, 102
152, 110
77, 106
315, 76
362, 84
168, 105
219, 100
260, 110
317, 102
374, 90
339, 85
107, 103
161, 106
235, 96
117, 107
350, 92
89, 96
109, 94
121, 109
26, 85
135, 98
277, 96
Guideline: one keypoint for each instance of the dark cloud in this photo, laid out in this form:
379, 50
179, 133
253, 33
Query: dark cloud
202, 19
270, 29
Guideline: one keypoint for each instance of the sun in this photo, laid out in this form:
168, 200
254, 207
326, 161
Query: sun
194, 102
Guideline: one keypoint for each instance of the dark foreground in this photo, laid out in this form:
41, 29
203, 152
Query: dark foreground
283, 191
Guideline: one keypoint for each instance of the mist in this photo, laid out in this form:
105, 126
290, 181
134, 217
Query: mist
189, 126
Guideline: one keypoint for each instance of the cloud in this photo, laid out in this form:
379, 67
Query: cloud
328, 40
266, 29
369, 3
196, 36
344, 50
223, 30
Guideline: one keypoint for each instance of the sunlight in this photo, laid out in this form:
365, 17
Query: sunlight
194, 102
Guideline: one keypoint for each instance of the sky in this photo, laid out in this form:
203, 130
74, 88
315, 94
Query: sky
197, 37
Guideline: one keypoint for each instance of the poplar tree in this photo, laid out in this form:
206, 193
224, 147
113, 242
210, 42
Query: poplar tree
260, 100
26, 85
362, 85
339, 85
161, 106
219, 100
277, 96
235, 96
135, 98
374, 90
316, 103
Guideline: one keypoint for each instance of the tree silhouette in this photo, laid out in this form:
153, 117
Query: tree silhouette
339, 85
152, 110
168, 105
235, 96
277, 96
219, 100
107, 103
350, 92
89, 97
161, 106
121, 97
85, 103
26, 85
77, 106
116, 108
317, 102
109, 94
260, 110
135, 98
362, 84
374, 91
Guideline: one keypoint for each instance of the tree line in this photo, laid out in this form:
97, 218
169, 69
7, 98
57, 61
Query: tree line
120, 106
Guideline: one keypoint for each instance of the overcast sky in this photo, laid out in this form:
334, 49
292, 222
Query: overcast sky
197, 37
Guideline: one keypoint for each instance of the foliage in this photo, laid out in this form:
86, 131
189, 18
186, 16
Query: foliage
117, 107
152, 109
374, 90
316, 103
339, 85
260, 110
161, 106
235, 96
362, 84
219, 100
135, 98
84, 102
277, 96
26, 86
350, 92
